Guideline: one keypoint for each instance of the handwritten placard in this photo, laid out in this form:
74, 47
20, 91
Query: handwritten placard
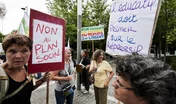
130, 26
1, 49
48, 35
47, 46
92, 33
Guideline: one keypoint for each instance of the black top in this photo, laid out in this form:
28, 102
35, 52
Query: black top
3, 57
85, 61
23, 96
85, 72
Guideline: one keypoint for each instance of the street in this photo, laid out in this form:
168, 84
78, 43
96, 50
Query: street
39, 95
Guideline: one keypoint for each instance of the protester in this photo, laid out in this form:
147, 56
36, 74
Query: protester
72, 57
85, 62
17, 49
74, 61
63, 78
101, 79
144, 80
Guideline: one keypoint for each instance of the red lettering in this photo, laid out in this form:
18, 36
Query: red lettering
39, 27
37, 47
46, 40
89, 34
99, 33
52, 30
46, 29
48, 56
94, 34
39, 59
43, 49
84, 34
50, 47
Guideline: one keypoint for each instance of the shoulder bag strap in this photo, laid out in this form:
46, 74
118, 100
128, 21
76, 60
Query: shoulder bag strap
3, 75
17, 90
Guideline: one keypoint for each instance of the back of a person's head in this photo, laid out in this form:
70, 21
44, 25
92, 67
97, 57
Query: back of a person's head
86, 54
151, 79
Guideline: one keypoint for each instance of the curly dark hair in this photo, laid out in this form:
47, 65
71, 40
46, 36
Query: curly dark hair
16, 39
150, 78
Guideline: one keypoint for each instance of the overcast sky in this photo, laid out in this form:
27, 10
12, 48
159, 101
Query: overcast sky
14, 12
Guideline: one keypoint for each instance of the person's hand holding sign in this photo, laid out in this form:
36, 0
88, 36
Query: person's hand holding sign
46, 76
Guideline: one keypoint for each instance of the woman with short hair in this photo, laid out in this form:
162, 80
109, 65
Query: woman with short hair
18, 49
144, 80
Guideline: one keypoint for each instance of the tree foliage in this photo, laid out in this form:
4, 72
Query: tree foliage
99, 11
166, 28
170, 11
1, 37
65, 9
94, 12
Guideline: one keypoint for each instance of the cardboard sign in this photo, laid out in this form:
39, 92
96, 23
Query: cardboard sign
48, 35
131, 26
92, 33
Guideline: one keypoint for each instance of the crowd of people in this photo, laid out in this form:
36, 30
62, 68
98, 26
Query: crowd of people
138, 80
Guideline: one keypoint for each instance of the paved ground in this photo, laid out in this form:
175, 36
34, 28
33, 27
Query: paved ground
39, 95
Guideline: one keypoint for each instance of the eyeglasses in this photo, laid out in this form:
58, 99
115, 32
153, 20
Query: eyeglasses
119, 85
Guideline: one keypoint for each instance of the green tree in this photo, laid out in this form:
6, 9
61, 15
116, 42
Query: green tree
98, 11
1, 37
94, 12
165, 29
66, 9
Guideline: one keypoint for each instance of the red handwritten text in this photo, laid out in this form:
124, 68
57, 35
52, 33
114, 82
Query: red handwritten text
93, 34
46, 29
49, 56
39, 48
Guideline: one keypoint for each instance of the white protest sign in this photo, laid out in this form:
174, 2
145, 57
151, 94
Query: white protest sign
47, 42
130, 26
1, 49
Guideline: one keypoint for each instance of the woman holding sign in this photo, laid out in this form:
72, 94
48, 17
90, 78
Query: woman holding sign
19, 84
64, 89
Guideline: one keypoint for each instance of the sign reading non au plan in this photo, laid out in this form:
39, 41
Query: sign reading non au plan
92, 33
48, 35
131, 26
